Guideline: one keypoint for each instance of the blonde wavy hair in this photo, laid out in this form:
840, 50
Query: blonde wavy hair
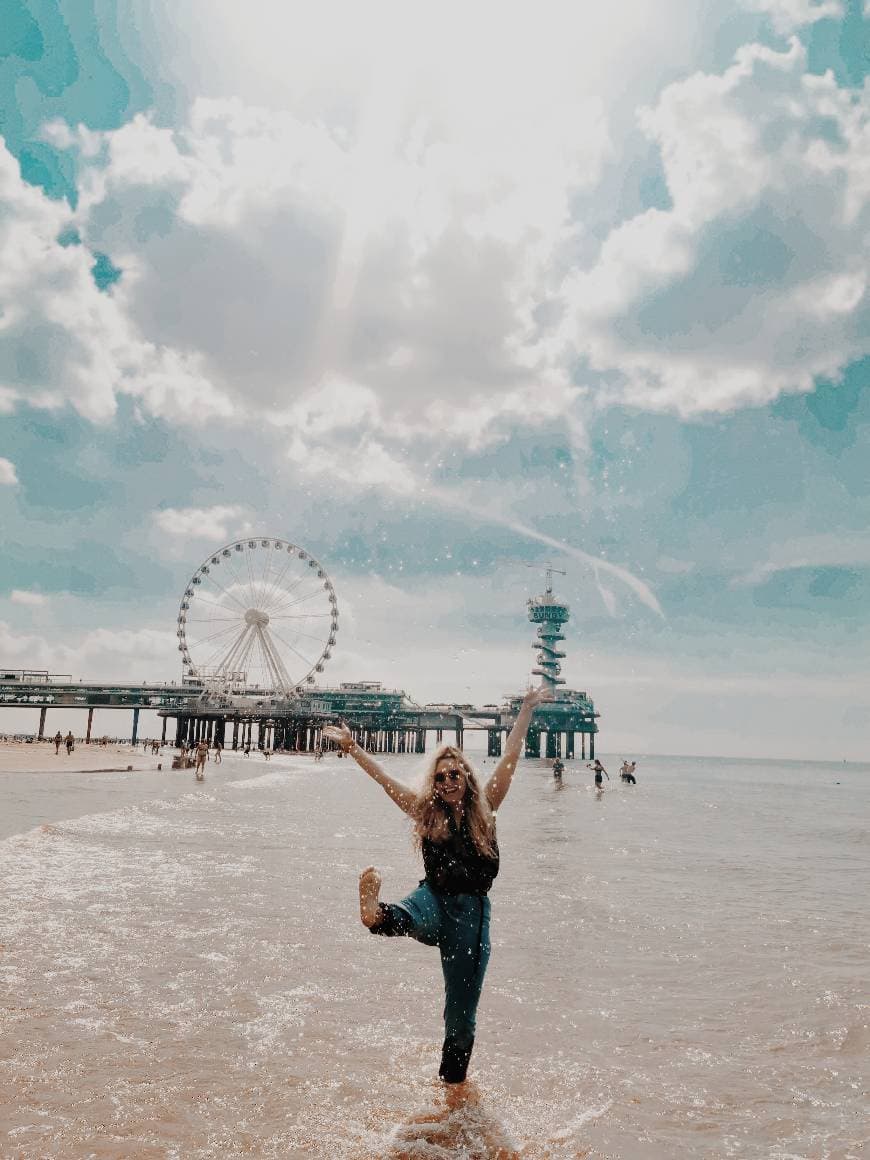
431, 816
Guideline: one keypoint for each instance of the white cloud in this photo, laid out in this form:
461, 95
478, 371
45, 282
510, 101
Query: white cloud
283, 257
35, 599
753, 283
63, 341
100, 654
787, 15
377, 244
8, 474
845, 550
212, 523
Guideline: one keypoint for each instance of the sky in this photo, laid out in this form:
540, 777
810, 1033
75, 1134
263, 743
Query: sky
441, 294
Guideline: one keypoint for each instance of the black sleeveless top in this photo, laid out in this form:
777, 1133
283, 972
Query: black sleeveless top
455, 866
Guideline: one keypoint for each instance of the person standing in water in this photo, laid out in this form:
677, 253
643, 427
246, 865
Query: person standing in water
454, 826
201, 758
598, 769
626, 772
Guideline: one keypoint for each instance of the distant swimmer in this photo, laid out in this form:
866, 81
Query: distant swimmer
626, 772
201, 756
558, 769
598, 770
454, 825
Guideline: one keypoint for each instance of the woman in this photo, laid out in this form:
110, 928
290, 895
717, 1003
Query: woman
598, 769
454, 825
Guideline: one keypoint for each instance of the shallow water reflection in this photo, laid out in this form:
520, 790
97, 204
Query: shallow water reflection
678, 970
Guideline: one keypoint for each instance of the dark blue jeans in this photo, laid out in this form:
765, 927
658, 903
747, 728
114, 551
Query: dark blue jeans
458, 924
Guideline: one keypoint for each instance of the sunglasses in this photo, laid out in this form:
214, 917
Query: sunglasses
452, 774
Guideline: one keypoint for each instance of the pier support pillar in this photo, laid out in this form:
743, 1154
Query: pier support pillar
421, 741
554, 744
135, 734
569, 744
163, 734
591, 746
179, 727
533, 742
493, 743
439, 736
583, 746
91, 722
41, 732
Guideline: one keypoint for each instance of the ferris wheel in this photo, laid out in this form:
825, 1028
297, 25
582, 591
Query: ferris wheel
260, 615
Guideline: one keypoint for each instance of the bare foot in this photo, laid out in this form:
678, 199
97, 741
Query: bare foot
369, 889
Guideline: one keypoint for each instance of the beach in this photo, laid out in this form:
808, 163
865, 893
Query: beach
678, 969
40, 757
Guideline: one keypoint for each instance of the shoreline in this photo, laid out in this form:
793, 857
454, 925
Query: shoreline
39, 757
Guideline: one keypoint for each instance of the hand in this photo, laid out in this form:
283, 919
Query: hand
340, 734
538, 696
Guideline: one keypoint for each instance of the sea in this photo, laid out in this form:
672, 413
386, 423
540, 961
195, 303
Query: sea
679, 969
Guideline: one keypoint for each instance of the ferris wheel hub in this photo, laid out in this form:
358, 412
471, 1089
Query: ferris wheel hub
256, 616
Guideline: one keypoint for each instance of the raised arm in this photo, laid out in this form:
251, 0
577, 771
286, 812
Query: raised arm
404, 798
500, 782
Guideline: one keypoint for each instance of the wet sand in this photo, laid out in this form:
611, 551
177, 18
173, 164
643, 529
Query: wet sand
39, 757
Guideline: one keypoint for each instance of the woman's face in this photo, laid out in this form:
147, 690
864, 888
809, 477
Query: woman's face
450, 780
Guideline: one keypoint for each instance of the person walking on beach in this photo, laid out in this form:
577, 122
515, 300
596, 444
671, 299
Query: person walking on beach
70, 743
57, 740
598, 769
454, 825
218, 751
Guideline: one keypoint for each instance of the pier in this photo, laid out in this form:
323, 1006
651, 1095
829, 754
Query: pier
382, 720
218, 699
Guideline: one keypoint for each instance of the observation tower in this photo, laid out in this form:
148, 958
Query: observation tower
549, 614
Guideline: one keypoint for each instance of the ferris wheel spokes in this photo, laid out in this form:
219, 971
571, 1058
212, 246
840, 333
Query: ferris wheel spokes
292, 600
236, 602
292, 648
281, 678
